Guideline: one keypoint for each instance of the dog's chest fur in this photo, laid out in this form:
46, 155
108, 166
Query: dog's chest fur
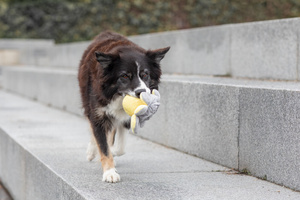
114, 109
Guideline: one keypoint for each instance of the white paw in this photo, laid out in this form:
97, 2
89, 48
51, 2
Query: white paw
91, 151
111, 176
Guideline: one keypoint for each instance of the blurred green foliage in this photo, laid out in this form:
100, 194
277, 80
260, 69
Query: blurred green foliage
77, 20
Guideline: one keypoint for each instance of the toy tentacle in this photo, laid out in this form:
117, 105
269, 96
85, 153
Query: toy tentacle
140, 110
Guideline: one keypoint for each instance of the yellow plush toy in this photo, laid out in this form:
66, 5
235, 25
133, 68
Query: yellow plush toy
141, 109
131, 104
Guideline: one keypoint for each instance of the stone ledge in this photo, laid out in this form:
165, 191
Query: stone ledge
9, 57
241, 124
48, 151
25, 43
257, 50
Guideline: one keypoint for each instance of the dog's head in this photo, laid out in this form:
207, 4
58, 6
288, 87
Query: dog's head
130, 71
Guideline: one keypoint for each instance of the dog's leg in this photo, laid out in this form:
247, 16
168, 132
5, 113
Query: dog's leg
109, 171
111, 141
111, 137
91, 151
118, 146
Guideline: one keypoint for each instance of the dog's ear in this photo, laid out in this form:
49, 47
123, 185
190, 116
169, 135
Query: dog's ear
105, 59
158, 54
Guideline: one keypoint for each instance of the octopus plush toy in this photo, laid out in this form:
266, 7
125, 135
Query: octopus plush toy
141, 109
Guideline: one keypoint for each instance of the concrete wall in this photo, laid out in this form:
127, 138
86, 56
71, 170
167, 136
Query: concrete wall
60, 55
252, 126
259, 50
9, 57
54, 88
200, 119
266, 50
29, 50
269, 139
25, 43
193, 51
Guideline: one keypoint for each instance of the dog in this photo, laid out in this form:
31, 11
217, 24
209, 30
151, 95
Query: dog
112, 67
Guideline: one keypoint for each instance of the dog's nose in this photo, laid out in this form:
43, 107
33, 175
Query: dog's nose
139, 91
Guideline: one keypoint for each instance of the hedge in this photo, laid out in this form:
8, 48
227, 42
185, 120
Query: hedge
68, 21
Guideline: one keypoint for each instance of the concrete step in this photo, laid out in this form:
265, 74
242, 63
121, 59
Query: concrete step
43, 157
260, 50
17, 51
242, 124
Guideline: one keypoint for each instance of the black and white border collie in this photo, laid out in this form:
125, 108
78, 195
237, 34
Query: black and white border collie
110, 68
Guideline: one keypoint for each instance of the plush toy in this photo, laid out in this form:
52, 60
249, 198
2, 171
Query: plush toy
141, 109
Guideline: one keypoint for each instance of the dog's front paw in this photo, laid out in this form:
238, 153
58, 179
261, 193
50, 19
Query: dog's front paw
111, 176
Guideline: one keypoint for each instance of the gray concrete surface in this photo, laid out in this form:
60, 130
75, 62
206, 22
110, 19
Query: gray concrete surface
242, 124
203, 116
48, 147
55, 87
25, 43
266, 50
9, 57
61, 55
259, 50
43, 53
193, 51
269, 138
200, 119
29, 50
67, 55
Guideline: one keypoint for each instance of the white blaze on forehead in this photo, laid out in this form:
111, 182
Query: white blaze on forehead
142, 84
138, 68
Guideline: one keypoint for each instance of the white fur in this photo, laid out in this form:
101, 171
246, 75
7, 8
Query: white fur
115, 109
91, 151
118, 149
119, 144
131, 93
142, 84
111, 176
138, 68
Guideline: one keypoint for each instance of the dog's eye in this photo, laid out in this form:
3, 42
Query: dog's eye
144, 75
125, 76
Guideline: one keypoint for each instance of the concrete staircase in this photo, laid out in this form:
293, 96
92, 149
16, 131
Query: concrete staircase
43, 157
244, 121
